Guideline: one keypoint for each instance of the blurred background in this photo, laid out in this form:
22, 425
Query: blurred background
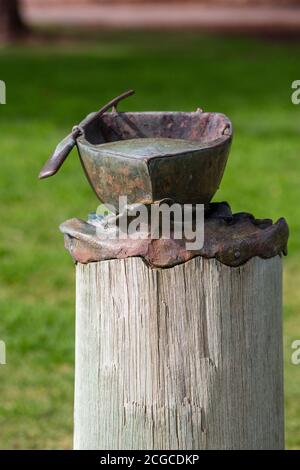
62, 59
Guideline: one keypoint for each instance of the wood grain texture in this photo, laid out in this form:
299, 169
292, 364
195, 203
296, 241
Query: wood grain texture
183, 358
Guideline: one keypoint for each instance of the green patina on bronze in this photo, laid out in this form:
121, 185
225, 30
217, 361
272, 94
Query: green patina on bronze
153, 156
156, 156
145, 148
149, 156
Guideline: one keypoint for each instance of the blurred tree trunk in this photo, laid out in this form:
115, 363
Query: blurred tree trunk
12, 25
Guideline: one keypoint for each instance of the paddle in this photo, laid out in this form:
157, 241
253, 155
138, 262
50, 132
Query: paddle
67, 144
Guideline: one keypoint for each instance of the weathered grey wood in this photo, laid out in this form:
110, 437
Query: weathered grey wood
183, 358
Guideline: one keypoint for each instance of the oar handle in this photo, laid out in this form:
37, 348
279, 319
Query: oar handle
65, 146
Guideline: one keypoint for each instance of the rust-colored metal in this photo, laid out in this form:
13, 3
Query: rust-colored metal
190, 175
232, 239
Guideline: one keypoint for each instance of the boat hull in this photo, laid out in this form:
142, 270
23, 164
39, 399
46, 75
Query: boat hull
187, 177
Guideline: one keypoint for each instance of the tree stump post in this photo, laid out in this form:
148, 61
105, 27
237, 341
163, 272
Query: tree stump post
179, 350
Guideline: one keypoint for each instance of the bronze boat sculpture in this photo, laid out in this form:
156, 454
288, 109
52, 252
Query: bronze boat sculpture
153, 155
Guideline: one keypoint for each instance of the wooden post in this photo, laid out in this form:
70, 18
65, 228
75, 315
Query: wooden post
183, 358
180, 357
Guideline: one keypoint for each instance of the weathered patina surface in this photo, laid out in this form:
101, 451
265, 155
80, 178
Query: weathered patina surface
186, 175
63, 149
232, 239
190, 173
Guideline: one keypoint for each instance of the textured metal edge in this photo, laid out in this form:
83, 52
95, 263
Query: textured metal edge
214, 130
232, 239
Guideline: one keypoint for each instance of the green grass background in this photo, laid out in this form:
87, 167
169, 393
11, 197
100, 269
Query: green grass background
49, 89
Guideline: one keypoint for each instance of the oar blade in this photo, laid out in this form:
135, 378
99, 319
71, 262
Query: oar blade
56, 160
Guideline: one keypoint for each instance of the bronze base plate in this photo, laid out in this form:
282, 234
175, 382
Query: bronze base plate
232, 239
